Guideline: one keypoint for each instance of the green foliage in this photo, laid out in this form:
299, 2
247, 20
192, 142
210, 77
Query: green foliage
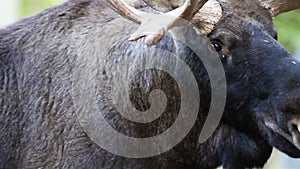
30, 7
288, 27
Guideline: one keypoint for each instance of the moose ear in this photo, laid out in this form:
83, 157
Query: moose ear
276, 7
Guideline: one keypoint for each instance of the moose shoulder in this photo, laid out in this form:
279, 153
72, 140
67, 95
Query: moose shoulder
44, 58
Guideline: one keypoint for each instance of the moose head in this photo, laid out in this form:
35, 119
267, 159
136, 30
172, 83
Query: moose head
262, 77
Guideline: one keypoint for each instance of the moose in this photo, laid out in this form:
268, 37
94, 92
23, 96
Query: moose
76, 48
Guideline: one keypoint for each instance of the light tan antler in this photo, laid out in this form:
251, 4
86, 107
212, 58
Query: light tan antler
205, 19
276, 7
153, 27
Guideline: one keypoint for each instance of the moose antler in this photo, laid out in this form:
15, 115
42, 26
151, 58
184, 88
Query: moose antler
276, 7
164, 5
158, 26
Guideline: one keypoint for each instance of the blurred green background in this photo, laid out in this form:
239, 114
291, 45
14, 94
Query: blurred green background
30, 7
288, 26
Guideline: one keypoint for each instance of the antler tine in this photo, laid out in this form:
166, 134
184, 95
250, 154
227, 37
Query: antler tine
276, 7
191, 10
155, 26
127, 11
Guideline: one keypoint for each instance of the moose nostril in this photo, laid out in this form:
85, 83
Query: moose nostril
294, 127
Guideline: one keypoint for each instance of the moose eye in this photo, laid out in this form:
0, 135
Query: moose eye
217, 46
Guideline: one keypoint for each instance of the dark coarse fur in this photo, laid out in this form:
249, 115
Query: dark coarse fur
38, 58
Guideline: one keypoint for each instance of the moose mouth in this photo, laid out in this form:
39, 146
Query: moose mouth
295, 130
277, 137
